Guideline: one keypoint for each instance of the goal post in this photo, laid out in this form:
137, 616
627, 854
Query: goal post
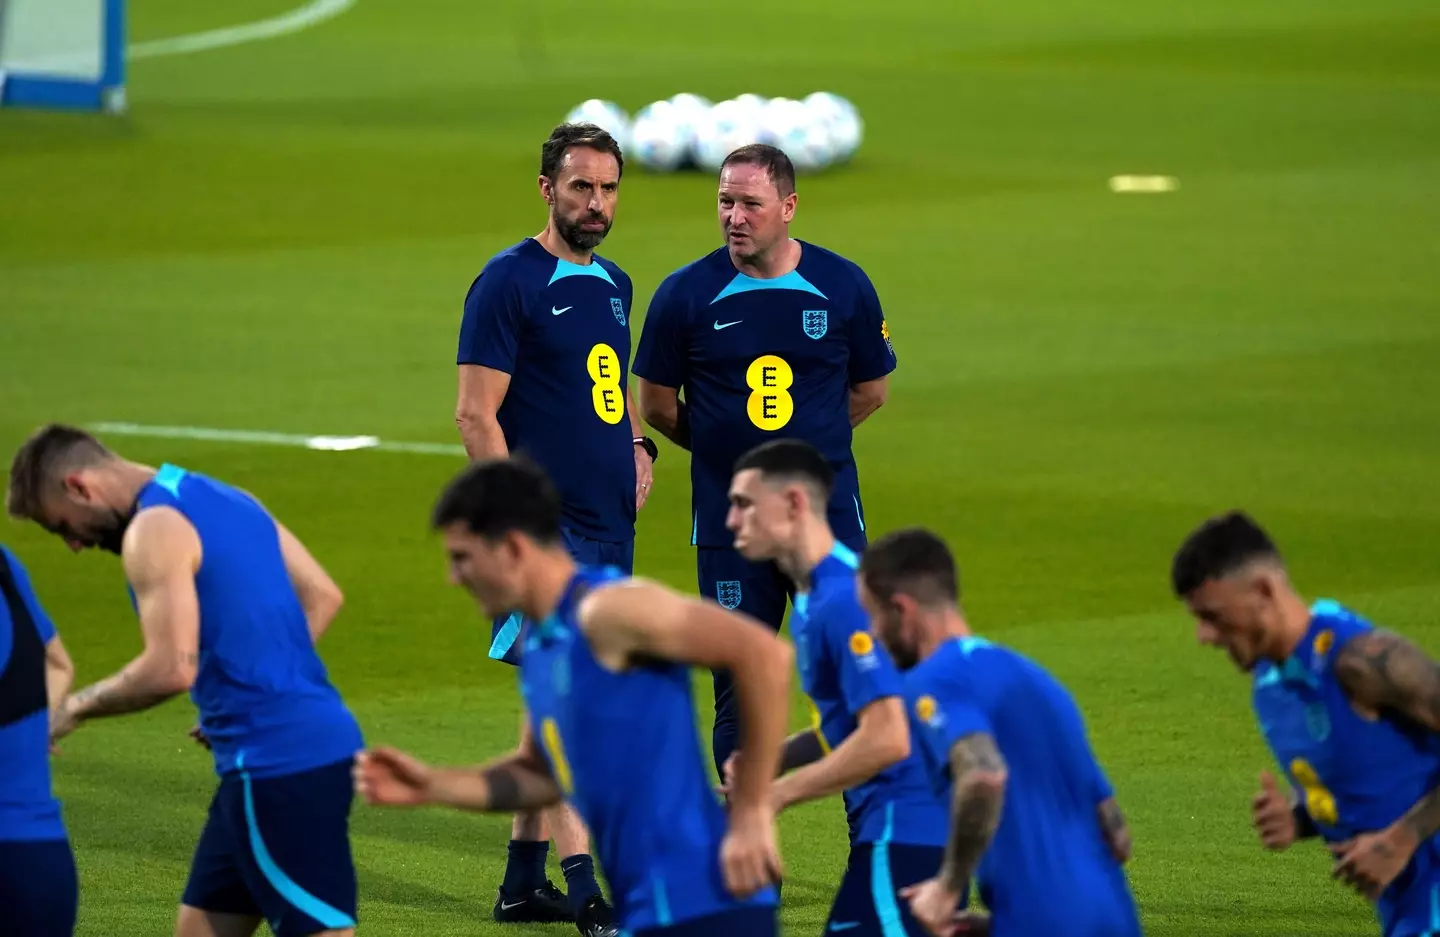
63, 54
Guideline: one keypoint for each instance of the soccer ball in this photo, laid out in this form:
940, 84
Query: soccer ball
800, 132
660, 137
607, 115
728, 126
841, 120
689, 111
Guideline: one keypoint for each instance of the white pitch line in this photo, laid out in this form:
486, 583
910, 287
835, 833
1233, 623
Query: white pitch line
317, 11
263, 438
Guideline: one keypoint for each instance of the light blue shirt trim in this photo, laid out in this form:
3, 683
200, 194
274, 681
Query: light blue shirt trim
169, 477
564, 268
790, 281
845, 555
505, 638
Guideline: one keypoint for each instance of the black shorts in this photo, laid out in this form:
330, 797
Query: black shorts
868, 904
39, 892
742, 922
279, 848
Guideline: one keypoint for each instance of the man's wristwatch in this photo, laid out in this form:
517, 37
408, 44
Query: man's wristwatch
648, 444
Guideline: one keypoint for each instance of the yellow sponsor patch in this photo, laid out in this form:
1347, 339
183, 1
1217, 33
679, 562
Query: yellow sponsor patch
861, 644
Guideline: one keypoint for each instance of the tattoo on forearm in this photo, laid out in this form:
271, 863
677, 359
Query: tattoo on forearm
979, 773
1111, 819
504, 789
1382, 670
801, 749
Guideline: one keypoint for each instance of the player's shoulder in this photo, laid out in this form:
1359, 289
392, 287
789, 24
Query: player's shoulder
10, 561
700, 279
834, 264
517, 264
617, 275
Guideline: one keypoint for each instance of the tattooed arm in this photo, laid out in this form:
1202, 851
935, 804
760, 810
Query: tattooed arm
520, 781
1116, 830
161, 555
801, 749
1384, 673
979, 774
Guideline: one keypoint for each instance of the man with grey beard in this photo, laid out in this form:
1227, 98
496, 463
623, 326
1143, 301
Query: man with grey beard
544, 355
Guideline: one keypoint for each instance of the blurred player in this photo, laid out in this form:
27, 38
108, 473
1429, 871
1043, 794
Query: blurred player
860, 740
1351, 713
276, 845
765, 334
606, 681
544, 347
38, 887
1032, 814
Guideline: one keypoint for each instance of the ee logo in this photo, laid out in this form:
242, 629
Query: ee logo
606, 394
770, 378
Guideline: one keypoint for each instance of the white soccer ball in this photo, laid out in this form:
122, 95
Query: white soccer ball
841, 120
660, 137
690, 111
800, 132
754, 103
607, 115
728, 126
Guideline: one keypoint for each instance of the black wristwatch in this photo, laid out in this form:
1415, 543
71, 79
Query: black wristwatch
648, 444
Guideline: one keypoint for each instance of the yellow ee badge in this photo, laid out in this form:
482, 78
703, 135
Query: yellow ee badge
885, 330
1323, 642
861, 644
925, 709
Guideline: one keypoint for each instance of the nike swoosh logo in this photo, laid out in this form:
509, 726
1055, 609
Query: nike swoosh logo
849, 925
727, 325
556, 312
507, 905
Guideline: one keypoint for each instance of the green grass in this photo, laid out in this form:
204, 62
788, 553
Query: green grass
279, 237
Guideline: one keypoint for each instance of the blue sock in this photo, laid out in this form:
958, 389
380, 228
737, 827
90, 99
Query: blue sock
580, 881
525, 867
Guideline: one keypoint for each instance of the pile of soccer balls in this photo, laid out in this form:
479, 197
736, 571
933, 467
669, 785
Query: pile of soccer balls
688, 131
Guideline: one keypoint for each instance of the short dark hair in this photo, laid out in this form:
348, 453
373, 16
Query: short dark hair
43, 459
792, 459
912, 561
772, 159
494, 497
1222, 545
566, 136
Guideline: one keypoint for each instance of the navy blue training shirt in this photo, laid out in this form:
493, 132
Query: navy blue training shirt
561, 331
758, 359
29, 811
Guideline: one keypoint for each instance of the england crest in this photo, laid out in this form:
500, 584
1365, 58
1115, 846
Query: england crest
617, 306
816, 323
727, 593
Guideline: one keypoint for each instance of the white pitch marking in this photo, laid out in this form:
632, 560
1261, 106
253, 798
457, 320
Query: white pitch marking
317, 11
263, 438
1144, 184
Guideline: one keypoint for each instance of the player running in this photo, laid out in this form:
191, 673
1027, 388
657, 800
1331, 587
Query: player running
1032, 814
606, 681
230, 606
1351, 713
860, 741
38, 887
768, 333
543, 352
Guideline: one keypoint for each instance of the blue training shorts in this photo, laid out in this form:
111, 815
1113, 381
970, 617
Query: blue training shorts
867, 903
505, 632
749, 922
279, 848
38, 888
